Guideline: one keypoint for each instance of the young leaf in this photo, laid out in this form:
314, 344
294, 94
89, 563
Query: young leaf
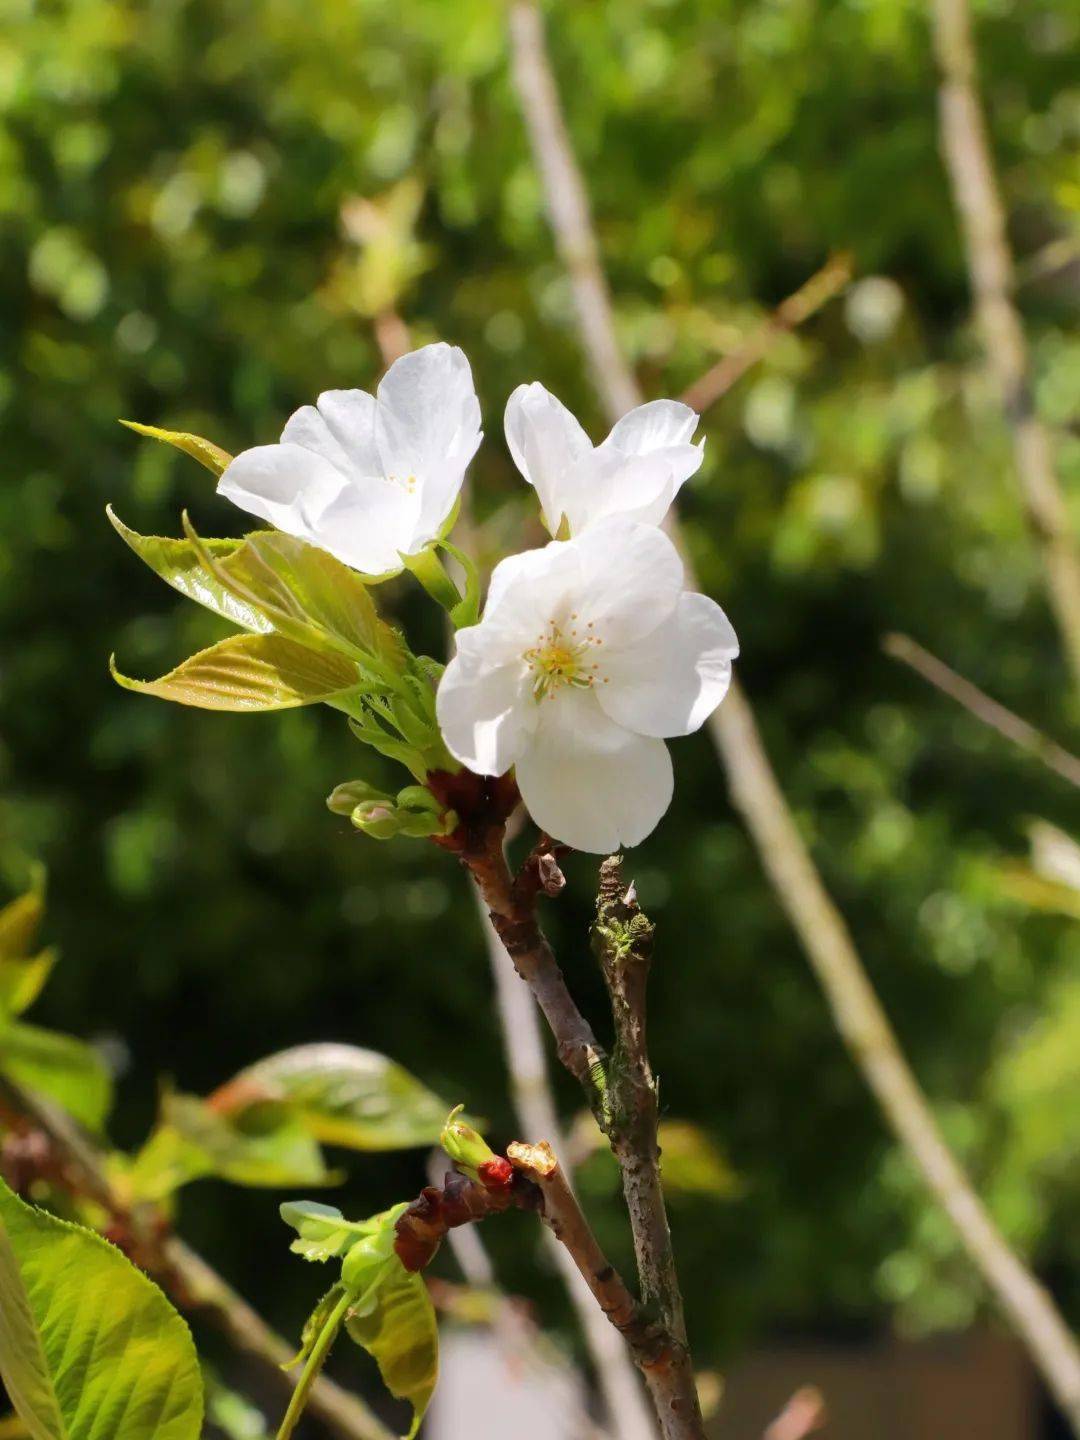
346, 1096
205, 451
89, 1347
22, 981
20, 921
322, 1231
181, 566
400, 1333
67, 1070
250, 672
263, 1146
295, 582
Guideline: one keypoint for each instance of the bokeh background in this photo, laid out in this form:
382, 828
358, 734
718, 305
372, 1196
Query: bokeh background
211, 209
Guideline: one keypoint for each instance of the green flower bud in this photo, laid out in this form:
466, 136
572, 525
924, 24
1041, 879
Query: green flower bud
377, 818
418, 797
466, 1147
344, 799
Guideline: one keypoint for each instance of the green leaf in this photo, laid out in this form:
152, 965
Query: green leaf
22, 981
20, 921
180, 565
304, 590
401, 1334
89, 1347
67, 1070
322, 1231
250, 672
263, 1146
348, 1096
205, 451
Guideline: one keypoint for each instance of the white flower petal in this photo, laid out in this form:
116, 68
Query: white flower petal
655, 426
662, 431
307, 427
368, 524
637, 487
349, 415
529, 590
427, 428
590, 783
670, 682
486, 711
285, 484
549, 448
631, 579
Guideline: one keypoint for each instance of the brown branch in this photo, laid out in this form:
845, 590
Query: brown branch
483, 806
969, 161
757, 794
663, 1362
530, 1089
985, 709
182, 1272
623, 941
828, 282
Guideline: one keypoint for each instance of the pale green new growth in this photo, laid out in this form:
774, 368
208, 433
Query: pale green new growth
89, 1347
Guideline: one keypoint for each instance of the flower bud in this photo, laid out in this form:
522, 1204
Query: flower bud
344, 799
466, 1147
495, 1174
377, 818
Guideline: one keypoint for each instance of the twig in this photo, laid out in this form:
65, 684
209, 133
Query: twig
968, 159
828, 282
192, 1282
483, 806
623, 941
757, 794
875, 1048
985, 709
512, 907
530, 1089
664, 1363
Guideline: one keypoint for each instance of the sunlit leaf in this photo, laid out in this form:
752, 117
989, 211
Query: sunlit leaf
265, 1146
250, 672
322, 1231
692, 1163
299, 584
346, 1096
401, 1333
20, 921
22, 981
205, 451
59, 1066
181, 566
90, 1349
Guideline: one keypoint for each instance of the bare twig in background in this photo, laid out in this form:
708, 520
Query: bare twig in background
825, 285
757, 794
801, 1416
966, 150
983, 707
191, 1281
530, 1089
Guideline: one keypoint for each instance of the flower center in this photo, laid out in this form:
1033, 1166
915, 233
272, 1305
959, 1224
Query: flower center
407, 482
561, 656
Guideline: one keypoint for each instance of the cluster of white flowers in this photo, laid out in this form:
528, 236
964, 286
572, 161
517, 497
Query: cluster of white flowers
590, 652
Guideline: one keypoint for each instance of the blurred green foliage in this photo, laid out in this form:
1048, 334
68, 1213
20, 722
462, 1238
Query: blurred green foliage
210, 209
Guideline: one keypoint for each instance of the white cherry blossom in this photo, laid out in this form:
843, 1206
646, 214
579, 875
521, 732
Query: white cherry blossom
589, 654
637, 471
369, 477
